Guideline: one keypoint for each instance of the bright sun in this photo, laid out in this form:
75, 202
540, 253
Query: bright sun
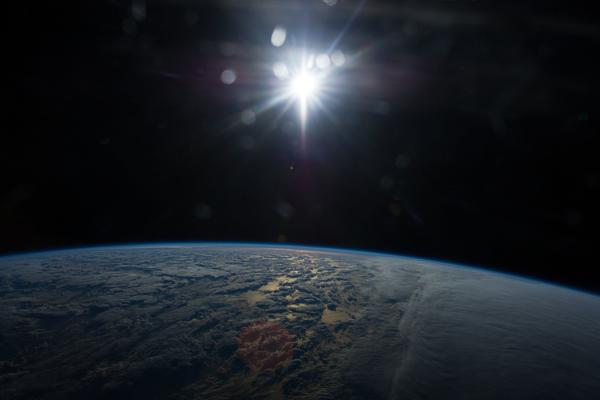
304, 86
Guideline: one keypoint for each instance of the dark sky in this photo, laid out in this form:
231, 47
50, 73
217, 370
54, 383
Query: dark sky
460, 130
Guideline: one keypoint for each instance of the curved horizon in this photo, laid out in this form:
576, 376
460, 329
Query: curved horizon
297, 246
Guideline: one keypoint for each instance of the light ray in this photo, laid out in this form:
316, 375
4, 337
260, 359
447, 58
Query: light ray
340, 36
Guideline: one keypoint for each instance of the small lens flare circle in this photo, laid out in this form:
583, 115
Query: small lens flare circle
304, 85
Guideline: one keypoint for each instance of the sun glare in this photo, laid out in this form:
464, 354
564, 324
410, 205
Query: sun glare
304, 85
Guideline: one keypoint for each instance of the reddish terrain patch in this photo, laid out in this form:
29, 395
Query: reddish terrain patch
265, 345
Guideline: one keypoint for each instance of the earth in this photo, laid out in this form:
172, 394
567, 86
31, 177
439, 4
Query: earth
269, 322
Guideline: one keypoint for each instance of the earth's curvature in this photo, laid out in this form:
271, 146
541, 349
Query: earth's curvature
246, 321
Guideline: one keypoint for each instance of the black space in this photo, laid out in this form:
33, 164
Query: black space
466, 131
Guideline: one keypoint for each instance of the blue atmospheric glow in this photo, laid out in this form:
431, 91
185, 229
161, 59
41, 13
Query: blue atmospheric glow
266, 245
